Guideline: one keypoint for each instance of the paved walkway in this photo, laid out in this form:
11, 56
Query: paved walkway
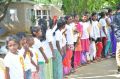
105, 69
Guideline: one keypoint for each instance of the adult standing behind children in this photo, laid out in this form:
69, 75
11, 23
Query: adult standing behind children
116, 26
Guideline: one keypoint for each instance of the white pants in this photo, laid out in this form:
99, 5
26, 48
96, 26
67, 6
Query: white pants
92, 50
118, 54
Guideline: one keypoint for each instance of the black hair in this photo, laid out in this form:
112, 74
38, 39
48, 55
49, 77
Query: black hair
12, 38
60, 24
93, 14
102, 14
109, 10
74, 15
51, 23
21, 35
67, 17
34, 29
43, 30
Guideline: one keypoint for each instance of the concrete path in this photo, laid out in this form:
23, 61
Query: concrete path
105, 69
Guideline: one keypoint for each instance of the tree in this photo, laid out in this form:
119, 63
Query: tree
81, 6
4, 4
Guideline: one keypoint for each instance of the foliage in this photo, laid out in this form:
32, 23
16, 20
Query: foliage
81, 6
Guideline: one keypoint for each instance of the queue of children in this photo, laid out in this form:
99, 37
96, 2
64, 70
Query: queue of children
58, 48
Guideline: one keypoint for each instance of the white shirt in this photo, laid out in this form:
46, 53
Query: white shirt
103, 24
59, 37
95, 31
63, 41
12, 61
70, 33
2, 69
85, 34
36, 46
27, 59
47, 49
34, 58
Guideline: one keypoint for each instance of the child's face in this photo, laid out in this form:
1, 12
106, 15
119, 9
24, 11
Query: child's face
77, 18
13, 46
94, 17
38, 34
31, 42
23, 41
84, 18
69, 20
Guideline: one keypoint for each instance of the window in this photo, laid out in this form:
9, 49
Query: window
13, 14
38, 12
42, 14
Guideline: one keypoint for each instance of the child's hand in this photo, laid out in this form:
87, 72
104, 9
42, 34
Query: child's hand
46, 61
37, 68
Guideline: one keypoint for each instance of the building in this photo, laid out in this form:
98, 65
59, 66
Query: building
24, 13
18, 17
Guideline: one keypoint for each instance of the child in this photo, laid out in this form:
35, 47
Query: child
46, 40
94, 34
70, 46
42, 58
57, 63
2, 68
27, 54
34, 59
103, 32
78, 33
12, 61
85, 43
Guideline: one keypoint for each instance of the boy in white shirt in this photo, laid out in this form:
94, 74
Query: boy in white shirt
12, 61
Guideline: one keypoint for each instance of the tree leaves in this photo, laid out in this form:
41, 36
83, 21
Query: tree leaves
81, 6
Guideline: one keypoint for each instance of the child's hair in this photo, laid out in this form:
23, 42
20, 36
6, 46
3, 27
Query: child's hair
102, 14
34, 29
50, 23
93, 14
74, 15
60, 24
43, 30
67, 17
109, 10
28, 38
21, 35
12, 38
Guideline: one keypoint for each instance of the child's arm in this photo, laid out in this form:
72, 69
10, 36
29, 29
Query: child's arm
45, 57
58, 47
51, 47
37, 67
7, 75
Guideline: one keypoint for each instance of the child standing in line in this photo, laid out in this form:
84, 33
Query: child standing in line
57, 44
27, 54
103, 31
2, 68
68, 62
13, 61
42, 58
94, 35
85, 43
45, 40
34, 59
78, 34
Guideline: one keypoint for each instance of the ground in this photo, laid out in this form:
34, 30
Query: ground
105, 69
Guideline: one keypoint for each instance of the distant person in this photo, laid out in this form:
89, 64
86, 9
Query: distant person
116, 26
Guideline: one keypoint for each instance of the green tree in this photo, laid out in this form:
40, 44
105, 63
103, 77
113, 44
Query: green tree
81, 6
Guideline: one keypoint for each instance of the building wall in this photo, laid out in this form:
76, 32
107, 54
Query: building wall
24, 21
